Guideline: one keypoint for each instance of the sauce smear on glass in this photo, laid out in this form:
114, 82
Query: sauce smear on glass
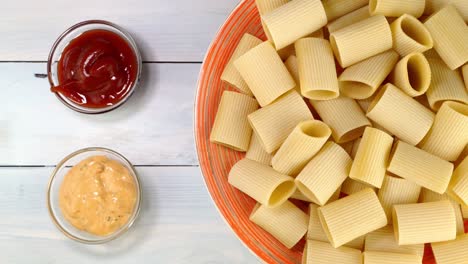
97, 69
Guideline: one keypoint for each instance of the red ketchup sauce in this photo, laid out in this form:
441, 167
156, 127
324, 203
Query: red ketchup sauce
97, 69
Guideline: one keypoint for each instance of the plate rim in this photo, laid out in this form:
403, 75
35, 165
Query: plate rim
197, 137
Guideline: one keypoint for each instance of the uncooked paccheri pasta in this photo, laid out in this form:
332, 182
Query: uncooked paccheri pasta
358, 111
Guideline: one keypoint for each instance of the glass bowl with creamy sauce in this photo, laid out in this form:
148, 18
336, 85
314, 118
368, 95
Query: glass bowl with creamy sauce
94, 195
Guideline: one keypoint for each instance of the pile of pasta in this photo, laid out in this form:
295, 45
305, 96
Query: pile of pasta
386, 127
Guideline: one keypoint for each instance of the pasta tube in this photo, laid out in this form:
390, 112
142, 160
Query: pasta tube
316, 232
363, 209
450, 35
287, 223
302, 144
351, 186
256, 151
412, 74
451, 252
324, 173
396, 8
266, 6
400, 114
230, 73
338, 8
458, 188
231, 127
430, 196
362, 79
348, 19
449, 134
294, 20
446, 84
323, 252
317, 70
396, 190
420, 167
261, 182
370, 164
410, 35
424, 222
265, 73
384, 240
372, 257
344, 116
433, 6
275, 122
361, 40
291, 65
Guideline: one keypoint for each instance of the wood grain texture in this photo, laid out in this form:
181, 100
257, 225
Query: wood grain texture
177, 224
164, 30
153, 128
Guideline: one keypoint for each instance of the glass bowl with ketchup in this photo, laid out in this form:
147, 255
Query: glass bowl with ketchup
94, 67
94, 195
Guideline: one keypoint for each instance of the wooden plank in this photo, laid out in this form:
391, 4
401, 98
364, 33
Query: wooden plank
153, 128
178, 223
164, 30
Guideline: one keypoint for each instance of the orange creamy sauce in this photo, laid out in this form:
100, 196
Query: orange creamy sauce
98, 195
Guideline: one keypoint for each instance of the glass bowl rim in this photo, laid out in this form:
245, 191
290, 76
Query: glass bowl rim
122, 230
120, 31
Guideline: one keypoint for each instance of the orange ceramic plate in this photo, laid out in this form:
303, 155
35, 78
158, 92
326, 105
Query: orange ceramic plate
215, 160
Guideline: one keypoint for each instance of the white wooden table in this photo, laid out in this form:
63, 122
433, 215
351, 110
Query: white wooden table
178, 222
